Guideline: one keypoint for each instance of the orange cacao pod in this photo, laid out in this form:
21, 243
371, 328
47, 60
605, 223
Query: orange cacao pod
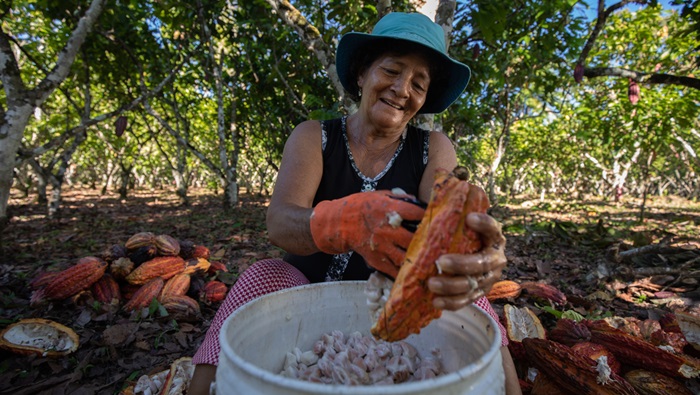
196, 266
167, 245
181, 307
504, 289
177, 285
106, 290
653, 383
145, 295
142, 239
214, 291
76, 278
39, 336
164, 267
574, 373
442, 230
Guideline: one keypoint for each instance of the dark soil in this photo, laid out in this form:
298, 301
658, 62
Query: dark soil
578, 247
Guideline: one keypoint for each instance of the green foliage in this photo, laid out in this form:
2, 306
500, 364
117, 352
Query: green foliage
522, 125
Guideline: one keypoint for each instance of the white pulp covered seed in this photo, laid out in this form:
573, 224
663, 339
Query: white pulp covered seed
377, 291
360, 360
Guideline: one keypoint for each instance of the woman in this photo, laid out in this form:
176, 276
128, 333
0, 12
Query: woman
329, 205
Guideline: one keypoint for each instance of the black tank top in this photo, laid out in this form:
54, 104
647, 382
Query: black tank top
342, 178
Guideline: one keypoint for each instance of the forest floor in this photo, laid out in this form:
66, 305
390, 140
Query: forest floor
576, 246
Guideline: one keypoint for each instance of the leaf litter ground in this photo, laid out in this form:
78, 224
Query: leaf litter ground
600, 255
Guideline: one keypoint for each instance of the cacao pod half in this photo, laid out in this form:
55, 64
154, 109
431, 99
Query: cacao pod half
39, 336
443, 229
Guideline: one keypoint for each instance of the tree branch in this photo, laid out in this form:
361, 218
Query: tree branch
311, 37
646, 78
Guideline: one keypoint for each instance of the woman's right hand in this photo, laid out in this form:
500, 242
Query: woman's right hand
368, 223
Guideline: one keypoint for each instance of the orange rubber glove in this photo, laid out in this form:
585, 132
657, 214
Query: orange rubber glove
367, 223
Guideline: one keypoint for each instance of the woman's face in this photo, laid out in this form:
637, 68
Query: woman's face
394, 88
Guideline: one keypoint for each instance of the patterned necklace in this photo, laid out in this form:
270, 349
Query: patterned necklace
370, 184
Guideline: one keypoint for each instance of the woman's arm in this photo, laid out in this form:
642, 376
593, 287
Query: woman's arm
297, 182
512, 383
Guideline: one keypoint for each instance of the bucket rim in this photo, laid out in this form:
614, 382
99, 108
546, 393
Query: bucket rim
278, 380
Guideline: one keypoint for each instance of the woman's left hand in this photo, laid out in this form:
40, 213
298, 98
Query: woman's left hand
466, 278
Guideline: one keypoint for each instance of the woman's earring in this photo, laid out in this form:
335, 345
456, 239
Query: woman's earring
359, 92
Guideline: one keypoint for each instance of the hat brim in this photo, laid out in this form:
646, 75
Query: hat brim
439, 96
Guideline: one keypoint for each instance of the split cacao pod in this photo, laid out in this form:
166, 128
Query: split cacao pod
443, 229
39, 336
106, 290
167, 245
595, 351
504, 289
141, 239
635, 352
574, 373
176, 285
653, 383
164, 267
196, 266
521, 323
181, 307
214, 291
179, 376
76, 278
145, 295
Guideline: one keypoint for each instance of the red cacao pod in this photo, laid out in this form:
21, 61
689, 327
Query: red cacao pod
633, 91
578, 73
214, 291
120, 126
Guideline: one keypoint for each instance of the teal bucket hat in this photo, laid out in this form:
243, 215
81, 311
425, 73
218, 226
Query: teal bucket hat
415, 28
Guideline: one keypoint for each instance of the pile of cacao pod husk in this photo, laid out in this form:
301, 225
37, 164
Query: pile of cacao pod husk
130, 277
615, 355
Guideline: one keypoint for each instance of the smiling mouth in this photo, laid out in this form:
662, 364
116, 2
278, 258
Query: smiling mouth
394, 105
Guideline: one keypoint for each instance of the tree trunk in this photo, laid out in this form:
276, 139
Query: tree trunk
21, 101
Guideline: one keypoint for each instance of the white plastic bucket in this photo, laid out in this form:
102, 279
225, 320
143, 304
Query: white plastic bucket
257, 336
